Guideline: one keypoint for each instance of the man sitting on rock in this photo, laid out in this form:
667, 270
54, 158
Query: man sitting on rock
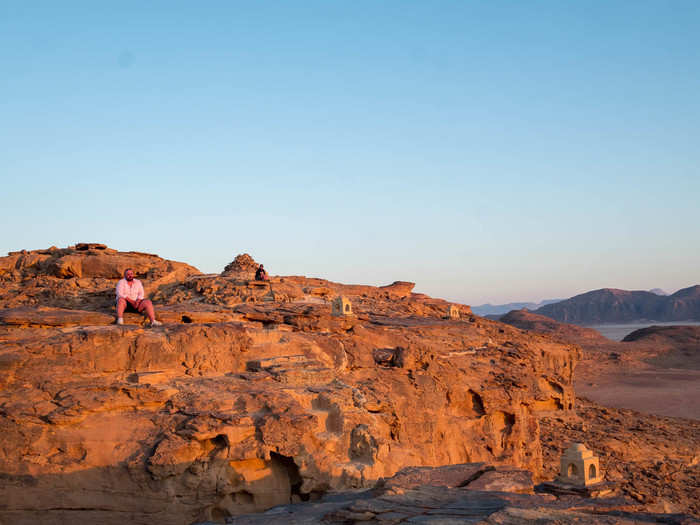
130, 298
261, 274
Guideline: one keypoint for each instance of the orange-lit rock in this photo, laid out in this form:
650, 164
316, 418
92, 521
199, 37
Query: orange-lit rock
248, 396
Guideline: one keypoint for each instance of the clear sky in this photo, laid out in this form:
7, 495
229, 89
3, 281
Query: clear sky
488, 151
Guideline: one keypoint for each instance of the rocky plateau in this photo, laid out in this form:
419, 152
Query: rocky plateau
252, 395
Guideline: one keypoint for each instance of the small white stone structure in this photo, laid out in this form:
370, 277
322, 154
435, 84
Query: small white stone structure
579, 466
341, 306
453, 312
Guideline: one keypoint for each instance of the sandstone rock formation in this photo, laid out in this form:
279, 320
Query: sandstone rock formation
251, 395
82, 276
242, 267
654, 459
459, 494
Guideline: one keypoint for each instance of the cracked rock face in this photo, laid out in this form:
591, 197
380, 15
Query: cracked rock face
251, 395
473, 493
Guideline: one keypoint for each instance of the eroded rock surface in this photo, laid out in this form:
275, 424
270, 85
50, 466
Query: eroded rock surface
460, 494
83, 276
655, 459
251, 395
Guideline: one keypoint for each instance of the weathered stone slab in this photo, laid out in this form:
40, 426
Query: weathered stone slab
604, 488
44, 316
304, 376
193, 316
447, 476
150, 377
285, 360
504, 479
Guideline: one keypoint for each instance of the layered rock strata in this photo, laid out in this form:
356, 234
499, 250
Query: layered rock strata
238, 404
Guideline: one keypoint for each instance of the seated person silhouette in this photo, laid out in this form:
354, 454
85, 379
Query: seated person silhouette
261, 274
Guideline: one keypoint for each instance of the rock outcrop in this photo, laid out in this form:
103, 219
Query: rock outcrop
654, 459
251, 395
677, 346
526, 320
460, 494
82, 276
242, 267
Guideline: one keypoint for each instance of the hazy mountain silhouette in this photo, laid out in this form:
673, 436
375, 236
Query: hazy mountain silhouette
610, 305
500, 309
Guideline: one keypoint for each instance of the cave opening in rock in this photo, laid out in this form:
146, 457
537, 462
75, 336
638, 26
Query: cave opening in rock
220, 441
219, 515
295, 480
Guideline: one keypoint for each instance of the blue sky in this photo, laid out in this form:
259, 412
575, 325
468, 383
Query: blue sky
488, 151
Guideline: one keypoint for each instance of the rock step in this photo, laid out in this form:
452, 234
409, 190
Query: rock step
295, 370
150, 377
303, 376
31, 316
279, 361
45, 316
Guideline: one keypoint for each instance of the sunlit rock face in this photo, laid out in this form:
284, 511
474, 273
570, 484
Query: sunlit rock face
249, 395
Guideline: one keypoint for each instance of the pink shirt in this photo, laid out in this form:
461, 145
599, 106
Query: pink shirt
134, 292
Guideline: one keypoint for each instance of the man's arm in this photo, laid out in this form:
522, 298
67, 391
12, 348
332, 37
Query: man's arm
140, 295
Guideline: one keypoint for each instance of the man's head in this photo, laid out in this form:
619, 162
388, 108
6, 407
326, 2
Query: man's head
260, 267
129, 274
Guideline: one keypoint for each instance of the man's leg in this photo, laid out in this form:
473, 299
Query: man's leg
147, 305
121, 306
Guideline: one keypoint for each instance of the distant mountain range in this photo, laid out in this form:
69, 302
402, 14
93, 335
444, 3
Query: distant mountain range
610, 305
500, 309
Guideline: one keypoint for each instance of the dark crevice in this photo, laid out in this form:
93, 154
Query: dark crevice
475, 476
389, 357
477, 403
221, 441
